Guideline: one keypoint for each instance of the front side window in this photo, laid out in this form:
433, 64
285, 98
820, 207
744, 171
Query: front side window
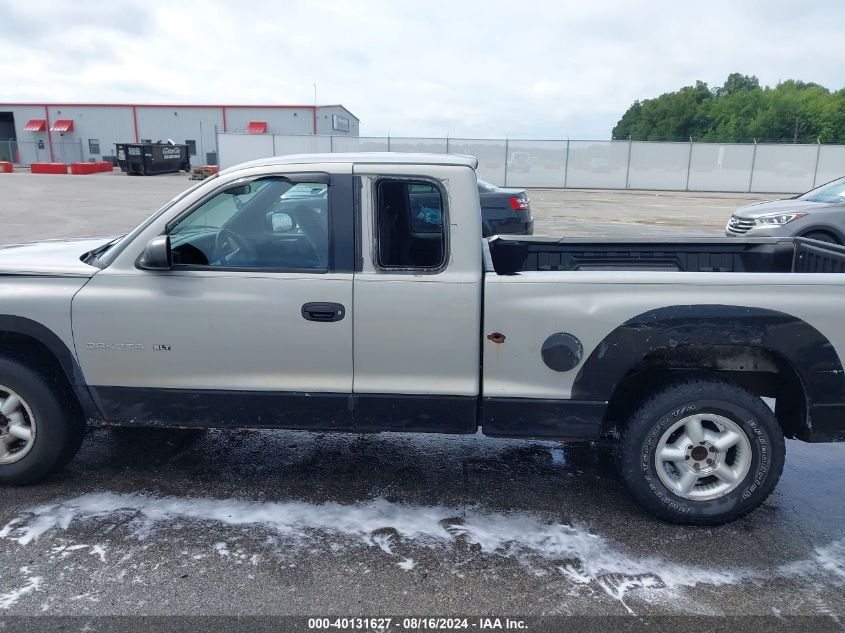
410, 225
253, 225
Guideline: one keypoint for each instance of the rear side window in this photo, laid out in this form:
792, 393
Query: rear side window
410, 225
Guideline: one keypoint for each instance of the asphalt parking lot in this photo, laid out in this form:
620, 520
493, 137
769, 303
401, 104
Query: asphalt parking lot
173, 522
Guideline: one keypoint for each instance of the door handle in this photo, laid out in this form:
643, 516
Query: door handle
323, 312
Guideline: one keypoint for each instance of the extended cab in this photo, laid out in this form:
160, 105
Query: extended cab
353, 292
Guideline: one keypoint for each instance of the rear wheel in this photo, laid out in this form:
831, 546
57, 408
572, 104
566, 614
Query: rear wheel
39, 429
701, 452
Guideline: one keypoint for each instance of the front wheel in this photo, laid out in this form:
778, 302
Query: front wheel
39, 429
821, 236
702, 452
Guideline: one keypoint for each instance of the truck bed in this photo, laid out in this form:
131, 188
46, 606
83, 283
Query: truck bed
512, 255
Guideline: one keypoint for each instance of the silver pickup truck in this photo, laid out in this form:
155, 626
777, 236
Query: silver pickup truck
352, 292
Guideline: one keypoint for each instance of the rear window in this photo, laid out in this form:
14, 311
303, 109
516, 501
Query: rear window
410, 225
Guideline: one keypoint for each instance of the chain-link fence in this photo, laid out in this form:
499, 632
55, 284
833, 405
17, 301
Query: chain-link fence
752, 167
28, 152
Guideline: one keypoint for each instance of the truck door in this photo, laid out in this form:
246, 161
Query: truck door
417, 300
251, 327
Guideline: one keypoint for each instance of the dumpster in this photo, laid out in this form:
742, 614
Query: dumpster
147, 159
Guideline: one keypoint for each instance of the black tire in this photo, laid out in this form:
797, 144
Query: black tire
59, 426
821, 236
656, 415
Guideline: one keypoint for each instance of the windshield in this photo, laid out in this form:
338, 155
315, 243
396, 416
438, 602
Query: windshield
483, 185
833, 191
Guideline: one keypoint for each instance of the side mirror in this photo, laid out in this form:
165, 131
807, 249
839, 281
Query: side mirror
157, 255
280, 222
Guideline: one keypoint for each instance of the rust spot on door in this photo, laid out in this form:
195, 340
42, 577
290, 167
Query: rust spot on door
497, 337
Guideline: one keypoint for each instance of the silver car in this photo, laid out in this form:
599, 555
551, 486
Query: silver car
818, 214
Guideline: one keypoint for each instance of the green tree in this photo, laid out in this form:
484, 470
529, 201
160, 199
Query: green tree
737, 82
739, 110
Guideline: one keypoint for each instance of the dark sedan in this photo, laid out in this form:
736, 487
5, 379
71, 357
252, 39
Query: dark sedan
504, 210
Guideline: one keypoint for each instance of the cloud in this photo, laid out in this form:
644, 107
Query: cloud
534, 68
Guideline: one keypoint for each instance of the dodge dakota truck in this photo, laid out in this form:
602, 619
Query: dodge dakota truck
366, 300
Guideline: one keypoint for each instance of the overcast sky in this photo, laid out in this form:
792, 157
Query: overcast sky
533, 69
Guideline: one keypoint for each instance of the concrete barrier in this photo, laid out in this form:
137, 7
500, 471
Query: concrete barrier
82, 169
48, 168
5, 167
91, 167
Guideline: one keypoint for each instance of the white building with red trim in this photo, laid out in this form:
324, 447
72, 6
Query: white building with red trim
65, 132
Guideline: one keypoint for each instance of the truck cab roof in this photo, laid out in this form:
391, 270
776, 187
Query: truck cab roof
379, 158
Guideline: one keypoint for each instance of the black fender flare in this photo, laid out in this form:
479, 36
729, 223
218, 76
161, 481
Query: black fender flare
57, 347
808, 350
